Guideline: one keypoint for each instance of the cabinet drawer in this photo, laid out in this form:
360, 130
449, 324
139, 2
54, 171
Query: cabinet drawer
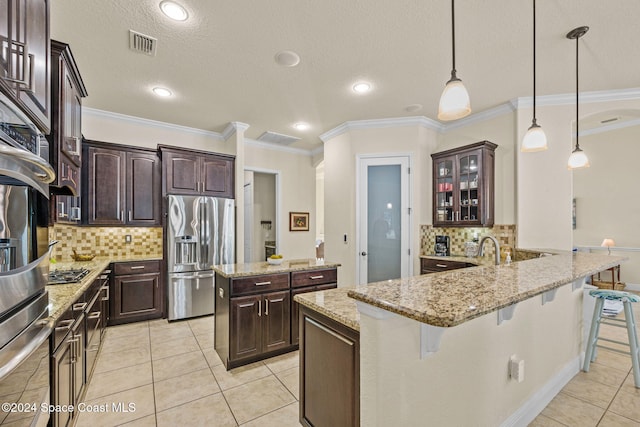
313, 277
433, 265
264, 283
136, 267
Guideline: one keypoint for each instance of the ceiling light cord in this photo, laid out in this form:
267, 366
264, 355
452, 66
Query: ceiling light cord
534, 64
453, 40
578, 158
577, 103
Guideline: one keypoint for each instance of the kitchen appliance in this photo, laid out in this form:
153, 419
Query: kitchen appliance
200, 233
442, 246
24, 265
74, 275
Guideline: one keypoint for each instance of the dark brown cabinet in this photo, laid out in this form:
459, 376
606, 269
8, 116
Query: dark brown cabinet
463, 186
308, 281
436, 265
197, 173
136, 292
329, 372
25, 62
65, 139
122, 185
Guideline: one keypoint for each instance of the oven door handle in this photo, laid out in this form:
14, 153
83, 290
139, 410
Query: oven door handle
26, 350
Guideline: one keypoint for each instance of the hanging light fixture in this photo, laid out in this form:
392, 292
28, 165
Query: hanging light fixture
578, 158
534, 139
454, 102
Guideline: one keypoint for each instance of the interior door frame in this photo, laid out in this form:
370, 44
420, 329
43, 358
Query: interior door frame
407, 210
277, 174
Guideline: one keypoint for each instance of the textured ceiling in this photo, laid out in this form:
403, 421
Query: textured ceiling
220, 63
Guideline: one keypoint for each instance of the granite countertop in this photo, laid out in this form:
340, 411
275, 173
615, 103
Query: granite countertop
260, 268
451, 298
333, 303
62, 296
461, 258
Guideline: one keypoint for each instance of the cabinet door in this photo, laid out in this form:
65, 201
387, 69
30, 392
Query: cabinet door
445, 200
295, 308
182, 173
71, 116
470, 180
35, 93
105, 187
276, 322
79, 375
62, 381
143, 188
136, 297
216, 175
245, 325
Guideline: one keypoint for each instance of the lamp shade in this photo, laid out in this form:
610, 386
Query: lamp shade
607, 243
534, 140
578, 159
454, 102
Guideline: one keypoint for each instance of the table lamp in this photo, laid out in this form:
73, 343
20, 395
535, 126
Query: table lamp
608, 243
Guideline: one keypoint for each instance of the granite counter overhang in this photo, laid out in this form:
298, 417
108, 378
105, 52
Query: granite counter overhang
450, 298
62, 296
261, 268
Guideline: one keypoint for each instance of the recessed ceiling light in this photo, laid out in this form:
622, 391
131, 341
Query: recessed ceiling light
161, 91
362, 87
301, 126
413, 108
174, 10
287, 58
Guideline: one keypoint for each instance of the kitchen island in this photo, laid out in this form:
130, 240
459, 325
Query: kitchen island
436, 349
255, 315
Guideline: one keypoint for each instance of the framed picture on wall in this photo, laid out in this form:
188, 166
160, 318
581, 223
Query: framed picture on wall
298, 221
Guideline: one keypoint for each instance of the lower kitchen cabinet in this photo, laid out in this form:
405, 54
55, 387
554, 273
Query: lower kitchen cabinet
295, 327
137, 292
329, 372
428, 265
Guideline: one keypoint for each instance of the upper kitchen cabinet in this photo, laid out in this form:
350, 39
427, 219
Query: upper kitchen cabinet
25, 60
121, 185
197, 173
65, 139
463, 186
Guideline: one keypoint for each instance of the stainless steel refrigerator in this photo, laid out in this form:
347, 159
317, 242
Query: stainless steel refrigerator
200, 233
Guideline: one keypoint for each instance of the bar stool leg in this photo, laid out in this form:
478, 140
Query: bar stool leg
590, 353
633, 342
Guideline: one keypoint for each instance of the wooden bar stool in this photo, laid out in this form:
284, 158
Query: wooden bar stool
627, 298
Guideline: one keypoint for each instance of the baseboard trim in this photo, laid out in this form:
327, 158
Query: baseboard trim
540, 399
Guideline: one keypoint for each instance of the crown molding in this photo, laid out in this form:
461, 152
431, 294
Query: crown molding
585, 97
499, 110
421, 121
149, 123
232, 128
276, 147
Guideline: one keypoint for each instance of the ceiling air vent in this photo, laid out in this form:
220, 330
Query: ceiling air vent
142, 43
277, 138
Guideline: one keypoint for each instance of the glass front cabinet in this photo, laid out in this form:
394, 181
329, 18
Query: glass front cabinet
463, 186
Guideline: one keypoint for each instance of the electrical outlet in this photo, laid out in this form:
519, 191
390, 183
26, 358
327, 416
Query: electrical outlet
127, 238
516, 369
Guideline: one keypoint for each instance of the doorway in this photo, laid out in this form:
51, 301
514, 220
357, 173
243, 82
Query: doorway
383, 218
261, 207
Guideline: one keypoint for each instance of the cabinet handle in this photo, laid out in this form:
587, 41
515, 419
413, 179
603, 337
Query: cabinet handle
94, 316
74, 352
266, 307
130, 217
316, 277
442, 265
259, 308
137, 267
262, 283
121, 217
79, 306
64, 325
105, 288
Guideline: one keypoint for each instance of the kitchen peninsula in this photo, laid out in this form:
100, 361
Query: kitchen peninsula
436, 349
255, 315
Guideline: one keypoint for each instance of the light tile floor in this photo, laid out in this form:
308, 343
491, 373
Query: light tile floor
172, 374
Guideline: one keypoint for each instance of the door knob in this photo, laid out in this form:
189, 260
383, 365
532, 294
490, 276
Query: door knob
363, 253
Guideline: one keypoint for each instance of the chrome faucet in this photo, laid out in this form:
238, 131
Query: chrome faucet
495, 244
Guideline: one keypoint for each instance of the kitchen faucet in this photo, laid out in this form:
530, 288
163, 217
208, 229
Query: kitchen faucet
495, 244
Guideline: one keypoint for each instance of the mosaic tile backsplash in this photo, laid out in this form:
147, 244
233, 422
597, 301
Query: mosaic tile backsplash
105, 241
505, 233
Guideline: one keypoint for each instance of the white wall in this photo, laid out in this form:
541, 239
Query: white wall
264, 199
340, 187
297, 173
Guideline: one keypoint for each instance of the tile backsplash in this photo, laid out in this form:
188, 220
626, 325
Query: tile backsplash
105, 241
505, 233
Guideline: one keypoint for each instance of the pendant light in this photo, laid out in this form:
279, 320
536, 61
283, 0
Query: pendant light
534, 139
454, 101
578, 158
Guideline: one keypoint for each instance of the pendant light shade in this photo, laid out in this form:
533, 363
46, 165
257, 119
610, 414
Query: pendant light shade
535, 138
454, 101
578, 158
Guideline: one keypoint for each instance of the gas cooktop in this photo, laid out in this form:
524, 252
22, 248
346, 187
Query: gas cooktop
59, 277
